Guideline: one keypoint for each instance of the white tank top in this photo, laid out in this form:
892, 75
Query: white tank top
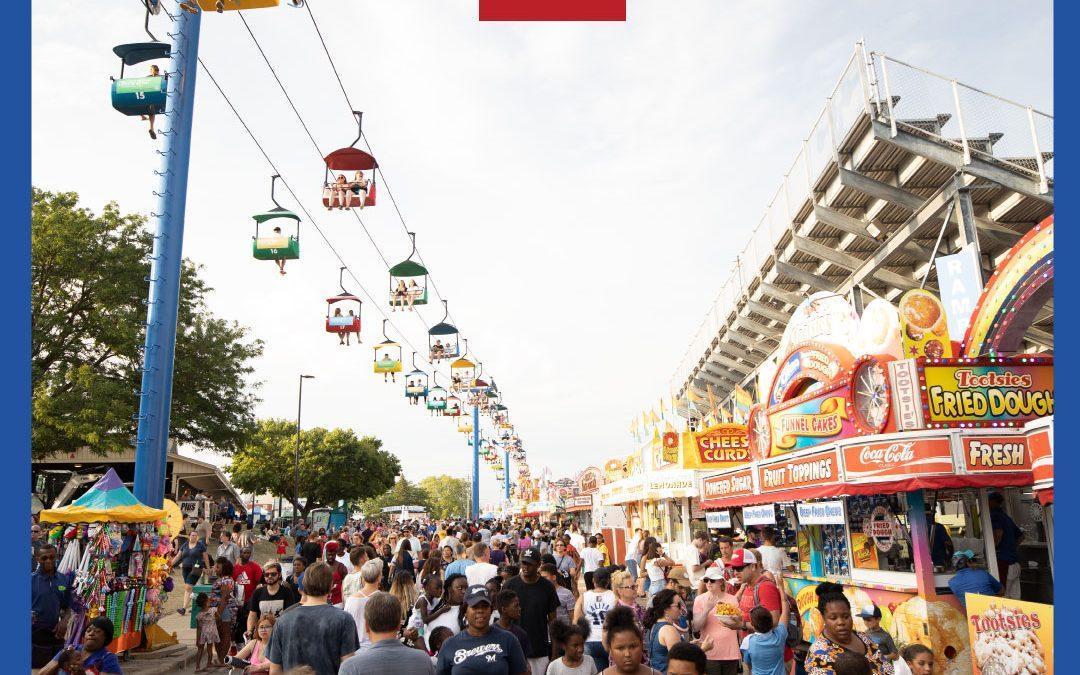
595, 607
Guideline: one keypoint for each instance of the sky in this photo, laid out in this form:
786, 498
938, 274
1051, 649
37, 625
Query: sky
579, 191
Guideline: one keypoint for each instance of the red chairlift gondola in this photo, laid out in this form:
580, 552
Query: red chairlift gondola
341, 322
341, 191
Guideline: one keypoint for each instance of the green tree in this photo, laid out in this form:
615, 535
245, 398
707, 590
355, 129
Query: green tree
87, 288
401, 493
334, 465
449, 495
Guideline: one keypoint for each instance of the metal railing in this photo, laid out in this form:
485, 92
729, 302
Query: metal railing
906, 98
979, 124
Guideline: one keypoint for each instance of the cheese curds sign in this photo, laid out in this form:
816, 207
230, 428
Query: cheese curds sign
718, 447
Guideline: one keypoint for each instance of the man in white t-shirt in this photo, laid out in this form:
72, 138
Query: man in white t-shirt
481, 571
485, 534
591, 559
773, 559
577, 540
632, 555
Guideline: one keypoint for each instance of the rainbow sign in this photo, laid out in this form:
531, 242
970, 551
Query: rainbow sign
1017, 290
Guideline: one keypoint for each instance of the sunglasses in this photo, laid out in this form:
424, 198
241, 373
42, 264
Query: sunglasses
272, 574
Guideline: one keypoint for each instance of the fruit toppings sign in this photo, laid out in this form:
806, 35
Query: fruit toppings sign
996, 453
816, 469
990, 392
735, 484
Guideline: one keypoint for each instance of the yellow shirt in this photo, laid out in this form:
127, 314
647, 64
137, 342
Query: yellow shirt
603, 549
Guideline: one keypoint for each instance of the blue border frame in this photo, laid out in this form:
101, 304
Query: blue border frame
1066, 290
15, 339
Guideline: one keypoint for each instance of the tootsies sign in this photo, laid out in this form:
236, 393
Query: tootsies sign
964, 393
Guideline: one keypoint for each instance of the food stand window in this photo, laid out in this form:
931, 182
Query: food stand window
956, 525
880, 535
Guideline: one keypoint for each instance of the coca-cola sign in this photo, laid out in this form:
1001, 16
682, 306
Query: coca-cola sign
898, 458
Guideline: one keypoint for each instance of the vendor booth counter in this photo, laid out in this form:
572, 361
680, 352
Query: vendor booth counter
881, 515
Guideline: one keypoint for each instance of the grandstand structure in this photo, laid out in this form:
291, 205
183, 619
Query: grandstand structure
902, 165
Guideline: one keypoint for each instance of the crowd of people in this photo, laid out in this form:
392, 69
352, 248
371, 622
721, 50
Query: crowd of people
493, 598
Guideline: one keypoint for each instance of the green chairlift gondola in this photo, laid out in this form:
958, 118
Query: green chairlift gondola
143, 95
387, 356
404, 289
279, 245
443, 339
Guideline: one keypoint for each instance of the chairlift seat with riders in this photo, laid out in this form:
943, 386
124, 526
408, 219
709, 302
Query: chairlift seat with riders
416, 384
345, 160
387, 355
443, 339
145, 95
275, 246
342, 319
404, 288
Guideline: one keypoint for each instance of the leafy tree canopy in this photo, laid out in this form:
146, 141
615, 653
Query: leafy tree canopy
334, 465
88, 283
449, 496
401, 493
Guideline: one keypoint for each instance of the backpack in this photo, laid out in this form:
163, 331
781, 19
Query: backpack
794, 633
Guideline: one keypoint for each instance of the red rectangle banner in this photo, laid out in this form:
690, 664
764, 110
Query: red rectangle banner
553, 10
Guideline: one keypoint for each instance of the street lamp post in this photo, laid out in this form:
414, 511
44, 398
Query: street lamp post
296, 463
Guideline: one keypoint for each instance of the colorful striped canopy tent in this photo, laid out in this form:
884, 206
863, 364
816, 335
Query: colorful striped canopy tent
108, 501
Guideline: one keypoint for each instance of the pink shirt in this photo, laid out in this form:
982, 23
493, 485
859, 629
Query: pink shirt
725, 640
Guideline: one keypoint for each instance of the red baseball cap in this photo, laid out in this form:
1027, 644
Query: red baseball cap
742, 558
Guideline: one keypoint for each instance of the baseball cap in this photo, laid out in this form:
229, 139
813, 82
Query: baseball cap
742, 558
714, 572
966, 553
870, 612
530, 556
476, 594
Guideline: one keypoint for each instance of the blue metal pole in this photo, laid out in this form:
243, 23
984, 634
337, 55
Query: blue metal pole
475, 462
506, 474
155, 397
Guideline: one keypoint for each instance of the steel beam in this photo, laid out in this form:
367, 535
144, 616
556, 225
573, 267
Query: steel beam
767, 311
790, 297
943, 154
880, 190
827, 253
802, 276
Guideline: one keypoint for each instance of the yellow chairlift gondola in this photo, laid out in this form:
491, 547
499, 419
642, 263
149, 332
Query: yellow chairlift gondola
416, 384
387, 357
462, 372
233, 5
